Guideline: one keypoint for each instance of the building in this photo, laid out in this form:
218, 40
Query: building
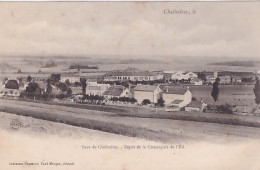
91, 82
76, 90
167, 77
142, 92
210, 79
179, 75
197, 82
198, 106
73, 78
131, 76
190, 75
96, 89
225, 80
117, 91
236, 80
178, 97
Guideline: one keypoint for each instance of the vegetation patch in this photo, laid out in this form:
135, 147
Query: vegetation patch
120, 129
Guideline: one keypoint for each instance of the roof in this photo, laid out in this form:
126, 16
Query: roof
114, 91
69, 75
189, 72
173, 90
176, 101
93, 88
91, 80
195, 104
224, 77
125, 73
145, 88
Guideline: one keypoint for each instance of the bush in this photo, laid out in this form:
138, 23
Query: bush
63, 87
161, 102
12, 84
93, 98
226, 108
193, 99
124, 99
32, 87
146, 102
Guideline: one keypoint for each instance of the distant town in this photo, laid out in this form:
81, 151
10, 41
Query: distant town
131, 87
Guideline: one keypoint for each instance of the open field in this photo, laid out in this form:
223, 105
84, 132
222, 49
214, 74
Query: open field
240, 95
40, 141
37, 127
231, 94
159, 113
164, 130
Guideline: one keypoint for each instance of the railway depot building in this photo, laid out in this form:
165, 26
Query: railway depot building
131, 76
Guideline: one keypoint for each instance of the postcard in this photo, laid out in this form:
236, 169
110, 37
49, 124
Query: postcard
129, 85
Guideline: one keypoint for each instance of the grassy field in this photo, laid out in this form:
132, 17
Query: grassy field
37, 127
240, 95
231, 94
147, 127
252, 121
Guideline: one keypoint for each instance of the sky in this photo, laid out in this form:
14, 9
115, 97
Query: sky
136, 29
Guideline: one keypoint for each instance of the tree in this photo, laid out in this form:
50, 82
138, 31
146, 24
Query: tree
55, 78
161, 102
67, 82
29, 78
215, 90
202, 76
257, 91
84, 85
12, 84
133, 100
32, 87
146, 102
62, 86
69, 92
49, 87
33, 90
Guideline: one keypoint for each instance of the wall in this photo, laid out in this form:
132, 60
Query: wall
189, 109
141, 95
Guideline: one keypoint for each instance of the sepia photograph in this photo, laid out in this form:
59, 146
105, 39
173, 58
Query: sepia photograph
130, 85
